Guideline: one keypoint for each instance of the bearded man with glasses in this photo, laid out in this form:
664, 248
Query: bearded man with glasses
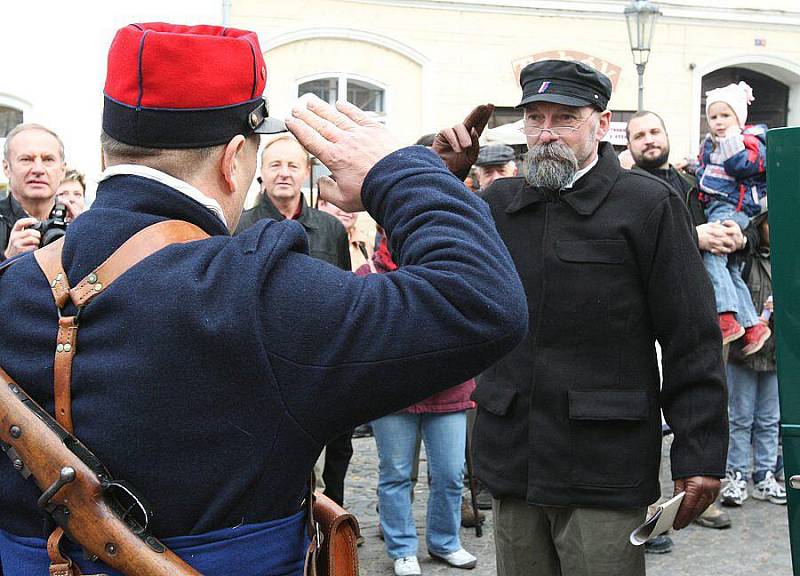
568, 431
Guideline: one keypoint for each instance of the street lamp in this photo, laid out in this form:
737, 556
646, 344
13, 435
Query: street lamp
641, 18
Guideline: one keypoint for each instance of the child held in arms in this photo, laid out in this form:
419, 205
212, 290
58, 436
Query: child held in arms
732, 179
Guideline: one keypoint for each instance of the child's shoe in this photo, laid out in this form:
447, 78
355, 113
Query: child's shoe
754, 338
731, 329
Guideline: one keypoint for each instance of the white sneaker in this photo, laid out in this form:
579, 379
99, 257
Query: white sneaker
734, 491
769, 489
458, 559
407, 566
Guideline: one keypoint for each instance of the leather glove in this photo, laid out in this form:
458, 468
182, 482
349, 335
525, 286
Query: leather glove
458, 146
701, 491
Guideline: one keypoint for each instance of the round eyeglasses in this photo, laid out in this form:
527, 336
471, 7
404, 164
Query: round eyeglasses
534, 131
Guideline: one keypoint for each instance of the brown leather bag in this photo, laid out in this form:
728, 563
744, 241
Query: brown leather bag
337, 555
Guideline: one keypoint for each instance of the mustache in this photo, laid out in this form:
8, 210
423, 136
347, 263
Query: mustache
550, 151
551, 166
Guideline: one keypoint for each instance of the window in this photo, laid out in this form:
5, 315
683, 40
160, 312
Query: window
326, 88
9, 118
366, 95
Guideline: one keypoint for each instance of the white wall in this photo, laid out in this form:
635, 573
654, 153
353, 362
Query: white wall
54, 60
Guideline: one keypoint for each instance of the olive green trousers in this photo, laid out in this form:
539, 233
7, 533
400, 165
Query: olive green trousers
555, 541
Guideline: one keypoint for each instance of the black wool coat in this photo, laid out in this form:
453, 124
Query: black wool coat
571, 417
10, 212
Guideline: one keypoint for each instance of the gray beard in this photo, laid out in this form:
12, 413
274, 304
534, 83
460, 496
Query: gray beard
551, 167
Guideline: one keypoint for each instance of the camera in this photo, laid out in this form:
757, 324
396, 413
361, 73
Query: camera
54, 227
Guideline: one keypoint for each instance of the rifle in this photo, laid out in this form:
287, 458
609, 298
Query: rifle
106, 517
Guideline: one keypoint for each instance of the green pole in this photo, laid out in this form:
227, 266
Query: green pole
783, 186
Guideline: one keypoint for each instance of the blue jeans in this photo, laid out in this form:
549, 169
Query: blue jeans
444, 436
730, 291
754, 415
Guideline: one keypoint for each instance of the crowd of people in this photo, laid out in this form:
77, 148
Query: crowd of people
518, 321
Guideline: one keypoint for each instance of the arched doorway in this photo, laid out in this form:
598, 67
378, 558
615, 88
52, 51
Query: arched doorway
771, 103
783, 108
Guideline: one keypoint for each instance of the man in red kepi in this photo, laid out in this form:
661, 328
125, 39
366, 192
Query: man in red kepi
188, 378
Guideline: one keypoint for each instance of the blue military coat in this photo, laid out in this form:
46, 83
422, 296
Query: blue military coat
211, 374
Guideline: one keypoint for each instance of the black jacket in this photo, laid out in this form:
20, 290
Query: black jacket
571, 417
10, 212
327, 238
686, 185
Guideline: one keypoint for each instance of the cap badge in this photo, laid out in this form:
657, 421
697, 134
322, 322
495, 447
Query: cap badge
543, 88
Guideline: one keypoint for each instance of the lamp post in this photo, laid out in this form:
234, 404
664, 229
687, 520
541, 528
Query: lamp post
640, 16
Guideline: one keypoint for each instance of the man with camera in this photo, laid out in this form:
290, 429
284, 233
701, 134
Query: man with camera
33, 162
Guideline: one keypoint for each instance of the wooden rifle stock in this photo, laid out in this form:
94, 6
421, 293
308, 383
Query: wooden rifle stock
76, 489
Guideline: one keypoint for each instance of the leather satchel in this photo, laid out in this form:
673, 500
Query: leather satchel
337, 554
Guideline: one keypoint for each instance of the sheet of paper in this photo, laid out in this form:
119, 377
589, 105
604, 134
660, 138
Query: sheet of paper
659, 522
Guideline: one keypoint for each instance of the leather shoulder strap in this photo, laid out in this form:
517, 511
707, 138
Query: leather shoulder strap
138, 247
49, 260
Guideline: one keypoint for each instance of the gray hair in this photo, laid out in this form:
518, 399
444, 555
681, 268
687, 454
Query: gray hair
31, 126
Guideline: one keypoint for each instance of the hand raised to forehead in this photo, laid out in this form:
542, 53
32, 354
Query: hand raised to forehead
458, 146
347, 141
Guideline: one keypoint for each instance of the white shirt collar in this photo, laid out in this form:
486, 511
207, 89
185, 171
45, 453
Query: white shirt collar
166, 179
581, 172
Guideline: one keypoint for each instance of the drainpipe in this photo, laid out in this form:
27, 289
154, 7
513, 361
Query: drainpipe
226, 12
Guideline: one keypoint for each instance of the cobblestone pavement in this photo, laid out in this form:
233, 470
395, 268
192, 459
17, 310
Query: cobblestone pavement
757, 544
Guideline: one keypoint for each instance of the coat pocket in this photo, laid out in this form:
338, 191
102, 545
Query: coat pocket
585, 277
493, 396
611, 436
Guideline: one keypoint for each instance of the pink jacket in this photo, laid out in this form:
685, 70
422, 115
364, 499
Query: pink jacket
453, 399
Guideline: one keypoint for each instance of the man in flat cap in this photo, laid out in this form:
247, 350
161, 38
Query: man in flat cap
494, 161
210, 374
568, 431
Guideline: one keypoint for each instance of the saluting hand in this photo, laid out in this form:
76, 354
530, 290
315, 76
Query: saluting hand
458, 146
346, 140
701, 491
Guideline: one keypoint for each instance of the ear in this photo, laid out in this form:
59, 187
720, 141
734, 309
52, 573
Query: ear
603, 125
230, 162
6, 169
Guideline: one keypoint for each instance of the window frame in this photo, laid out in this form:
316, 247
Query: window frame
341, 88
